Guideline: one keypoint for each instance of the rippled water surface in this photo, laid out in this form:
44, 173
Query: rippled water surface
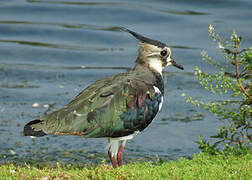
52, 49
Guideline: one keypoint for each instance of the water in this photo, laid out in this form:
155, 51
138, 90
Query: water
52, 49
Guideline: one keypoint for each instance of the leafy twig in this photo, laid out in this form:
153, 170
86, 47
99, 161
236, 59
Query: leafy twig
237, 73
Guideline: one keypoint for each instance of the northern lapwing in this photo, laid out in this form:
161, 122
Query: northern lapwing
117, 107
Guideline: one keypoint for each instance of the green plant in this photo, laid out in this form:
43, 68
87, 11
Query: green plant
201, 166
231, 80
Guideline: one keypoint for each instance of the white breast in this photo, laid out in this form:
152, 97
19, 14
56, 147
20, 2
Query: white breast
162, 99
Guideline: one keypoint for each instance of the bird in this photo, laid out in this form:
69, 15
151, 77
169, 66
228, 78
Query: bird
117, 107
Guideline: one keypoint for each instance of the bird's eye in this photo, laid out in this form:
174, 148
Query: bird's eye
163, 53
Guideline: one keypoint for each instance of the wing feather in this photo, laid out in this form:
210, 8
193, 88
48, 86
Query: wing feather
111, 107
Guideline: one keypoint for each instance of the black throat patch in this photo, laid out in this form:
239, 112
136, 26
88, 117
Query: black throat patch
159, 82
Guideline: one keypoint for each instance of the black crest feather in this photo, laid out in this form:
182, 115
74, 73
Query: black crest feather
142, 38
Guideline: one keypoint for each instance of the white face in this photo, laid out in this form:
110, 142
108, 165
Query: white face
156, 64
158, 58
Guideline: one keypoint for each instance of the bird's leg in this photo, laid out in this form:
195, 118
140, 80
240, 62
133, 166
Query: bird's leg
120, 152
112, 159
120, 155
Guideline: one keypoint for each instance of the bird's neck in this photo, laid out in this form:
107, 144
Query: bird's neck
148, 72
153, 63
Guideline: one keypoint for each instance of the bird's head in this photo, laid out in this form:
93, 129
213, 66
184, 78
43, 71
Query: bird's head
153, 53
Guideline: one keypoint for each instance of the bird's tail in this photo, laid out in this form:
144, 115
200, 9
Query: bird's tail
31, 131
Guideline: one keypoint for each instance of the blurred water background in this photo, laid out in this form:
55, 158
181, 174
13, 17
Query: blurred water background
52, 49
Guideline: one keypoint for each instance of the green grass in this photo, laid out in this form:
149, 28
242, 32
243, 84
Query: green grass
202, 166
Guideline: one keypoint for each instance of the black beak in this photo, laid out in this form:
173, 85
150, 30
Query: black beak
177, 65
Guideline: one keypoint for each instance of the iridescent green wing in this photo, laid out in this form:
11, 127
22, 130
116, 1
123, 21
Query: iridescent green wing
98, 110
73, 118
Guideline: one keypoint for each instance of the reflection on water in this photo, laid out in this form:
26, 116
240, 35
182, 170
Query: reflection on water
52, 50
